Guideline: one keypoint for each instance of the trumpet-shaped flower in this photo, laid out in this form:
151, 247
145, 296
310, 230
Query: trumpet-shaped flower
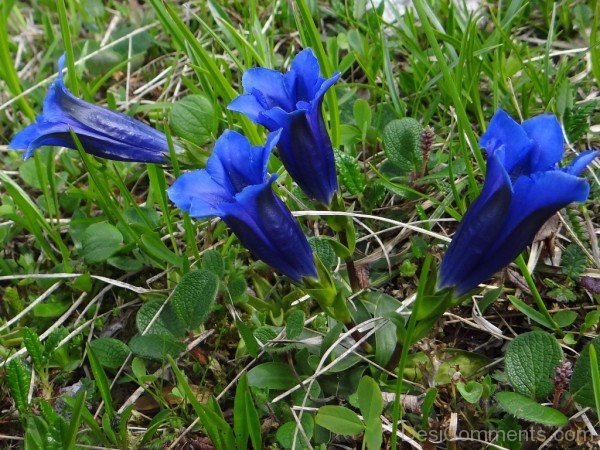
102, 132
292, 102
235, 187
523, 188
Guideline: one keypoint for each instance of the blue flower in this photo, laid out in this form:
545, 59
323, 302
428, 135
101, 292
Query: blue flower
235, 187
102, 132
523, 188
292, 102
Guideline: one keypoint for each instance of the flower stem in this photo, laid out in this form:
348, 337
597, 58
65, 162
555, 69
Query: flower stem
536, 294
350, 267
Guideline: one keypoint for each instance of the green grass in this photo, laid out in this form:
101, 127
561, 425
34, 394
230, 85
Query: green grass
438, 63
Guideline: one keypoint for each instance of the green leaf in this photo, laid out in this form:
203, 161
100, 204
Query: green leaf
194, 296
285, 433
573, 261
102, 382
534, 315
217, 428
581, 382
272, 375
245, 417
564, 318
427, 405
373, 433
370, 401
350, 173
76, 412
294, 324
339, 420
531, 359
166, 323
248, 337
155, 346
110, 352
194, 119
324, 250
19, 379
100, 241
213, 262
157, 249
470, 391
595, 375
35, 348
527, 409
470, 363
362, 116
402, 143
385, 337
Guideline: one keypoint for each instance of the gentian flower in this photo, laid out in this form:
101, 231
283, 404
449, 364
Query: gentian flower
102, 132
235, 187
292, 102
523, 188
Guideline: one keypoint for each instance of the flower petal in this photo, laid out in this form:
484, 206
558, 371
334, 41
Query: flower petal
197, 193
547, 142
307, 75
535, 200
235, 163
265, 226
102, 132
504, 131
478, 229
248, 105
305, 150
269, 87
580, 163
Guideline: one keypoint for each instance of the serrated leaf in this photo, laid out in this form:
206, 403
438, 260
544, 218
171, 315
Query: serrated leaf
350, 173
339, 420
111, 353
272, 375
264, 334
294, 324
155, 346
100, 241
19, 379
573, 261
35, 348
402, 143
527, 409
213, 262
167, 321
194, 296
194, 119
576, 120
581, 382
531, 359
324, 250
